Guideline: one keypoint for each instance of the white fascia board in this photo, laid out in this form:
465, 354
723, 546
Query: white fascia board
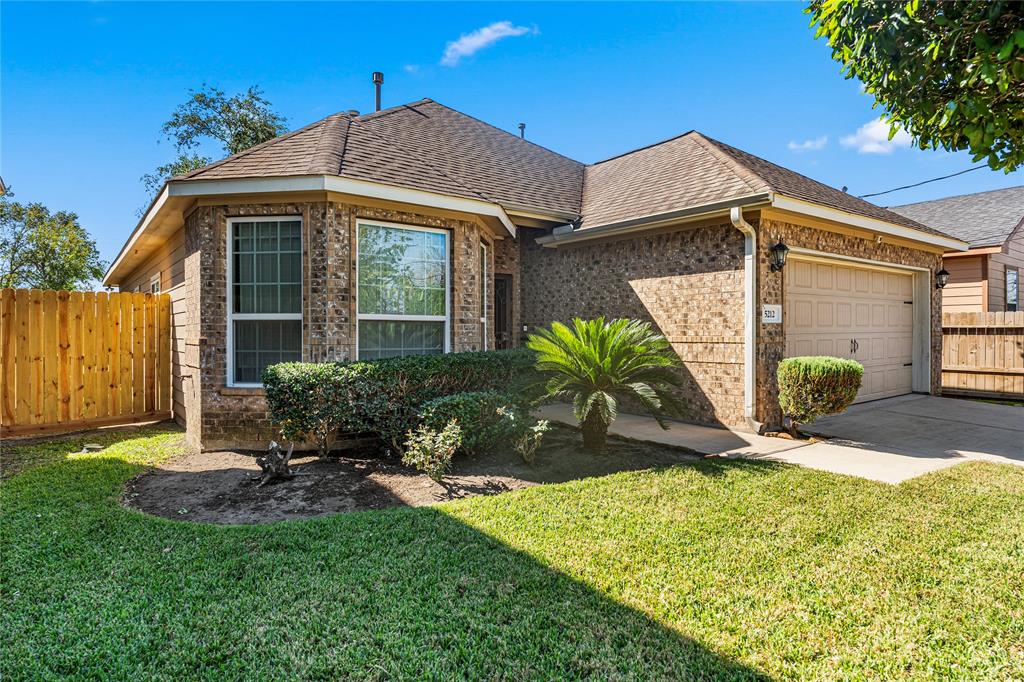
649, 222
154, 209
332, 183
818, 211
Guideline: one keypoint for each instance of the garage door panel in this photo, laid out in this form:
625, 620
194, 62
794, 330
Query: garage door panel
854, 312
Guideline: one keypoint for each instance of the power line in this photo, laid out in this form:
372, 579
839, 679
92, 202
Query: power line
923, 182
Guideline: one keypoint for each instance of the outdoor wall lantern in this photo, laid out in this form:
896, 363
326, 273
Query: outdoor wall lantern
779, 253
941, 278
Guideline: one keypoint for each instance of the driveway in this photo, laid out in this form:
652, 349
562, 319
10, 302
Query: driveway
890, 440
899, 438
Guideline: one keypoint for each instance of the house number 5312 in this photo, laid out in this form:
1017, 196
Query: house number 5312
771, 314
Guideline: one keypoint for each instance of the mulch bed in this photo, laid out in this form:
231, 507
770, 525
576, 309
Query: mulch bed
216, 487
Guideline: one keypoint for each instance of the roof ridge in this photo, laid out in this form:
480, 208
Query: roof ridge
738, 169
393, 110
502, 130
391, 144
640, 149
957, 196
261, 145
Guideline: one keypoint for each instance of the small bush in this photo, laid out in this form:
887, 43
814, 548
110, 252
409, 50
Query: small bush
430, 450
488, 418
812, 387
528, 440
308, 400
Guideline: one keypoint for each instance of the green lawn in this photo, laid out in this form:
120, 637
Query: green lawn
713, 570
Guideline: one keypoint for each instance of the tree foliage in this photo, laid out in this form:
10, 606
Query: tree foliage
44, 250
949, 73
238, 122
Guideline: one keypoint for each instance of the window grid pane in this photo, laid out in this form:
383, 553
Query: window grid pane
260, 343
389, 339
401, 271
267, 267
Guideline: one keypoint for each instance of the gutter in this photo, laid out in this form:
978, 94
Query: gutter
569, 233
749, 315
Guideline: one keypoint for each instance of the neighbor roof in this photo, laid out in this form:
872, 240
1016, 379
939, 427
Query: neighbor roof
428, 146
982, 219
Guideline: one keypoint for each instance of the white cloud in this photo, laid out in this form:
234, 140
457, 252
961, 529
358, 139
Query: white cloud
469, 44
873, 138
813, 145
412, 68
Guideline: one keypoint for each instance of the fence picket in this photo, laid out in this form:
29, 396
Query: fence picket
983, 354
74, 359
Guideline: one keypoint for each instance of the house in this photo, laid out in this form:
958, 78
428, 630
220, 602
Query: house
420, 229
986, 277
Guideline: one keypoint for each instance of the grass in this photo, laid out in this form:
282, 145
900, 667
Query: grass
714, 570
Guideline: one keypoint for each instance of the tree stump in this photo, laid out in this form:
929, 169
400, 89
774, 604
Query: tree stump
275, 464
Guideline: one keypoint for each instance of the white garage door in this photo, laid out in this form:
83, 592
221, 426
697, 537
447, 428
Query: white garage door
853, 312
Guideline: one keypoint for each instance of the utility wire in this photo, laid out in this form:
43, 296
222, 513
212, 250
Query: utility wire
923, 182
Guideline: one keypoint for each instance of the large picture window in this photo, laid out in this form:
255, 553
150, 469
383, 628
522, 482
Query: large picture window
264, 296
402, 290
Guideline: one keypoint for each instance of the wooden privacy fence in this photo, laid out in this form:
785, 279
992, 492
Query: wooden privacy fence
72, 359
983, 354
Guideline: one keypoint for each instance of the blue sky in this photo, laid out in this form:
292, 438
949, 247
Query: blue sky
85, 87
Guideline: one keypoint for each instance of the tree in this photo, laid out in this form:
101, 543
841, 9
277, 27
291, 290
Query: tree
238, 122
949, 73
595, 364
41, 250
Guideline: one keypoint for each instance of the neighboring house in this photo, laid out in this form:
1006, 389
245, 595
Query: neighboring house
3, 187
986, 277
419, 229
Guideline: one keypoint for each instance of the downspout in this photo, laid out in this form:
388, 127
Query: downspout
749, 316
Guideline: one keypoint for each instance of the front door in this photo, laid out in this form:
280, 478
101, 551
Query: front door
502, 311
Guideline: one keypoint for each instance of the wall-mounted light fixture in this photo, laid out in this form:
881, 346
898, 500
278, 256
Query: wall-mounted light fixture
779, 253
941, 278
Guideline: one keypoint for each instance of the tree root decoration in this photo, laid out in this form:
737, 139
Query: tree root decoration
275, 465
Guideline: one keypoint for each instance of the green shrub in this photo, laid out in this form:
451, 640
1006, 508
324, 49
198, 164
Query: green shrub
490, 420
595, 364
305, 401
812, 387
383, 396
431, 450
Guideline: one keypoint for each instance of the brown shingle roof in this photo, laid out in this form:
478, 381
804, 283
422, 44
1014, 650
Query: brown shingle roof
428, 146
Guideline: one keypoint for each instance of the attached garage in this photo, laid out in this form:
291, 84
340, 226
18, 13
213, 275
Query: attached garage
854, 311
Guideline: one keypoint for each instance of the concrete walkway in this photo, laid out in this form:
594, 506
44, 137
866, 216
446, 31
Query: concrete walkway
887, 440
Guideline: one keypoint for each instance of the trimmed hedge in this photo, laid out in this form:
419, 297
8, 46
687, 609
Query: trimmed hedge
314, 401
812, 387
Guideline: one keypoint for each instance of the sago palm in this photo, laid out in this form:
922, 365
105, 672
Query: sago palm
596, 364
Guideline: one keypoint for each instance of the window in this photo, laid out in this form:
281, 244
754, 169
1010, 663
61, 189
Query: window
154, 284
402, 290
483, 296
264, 296
1012, 289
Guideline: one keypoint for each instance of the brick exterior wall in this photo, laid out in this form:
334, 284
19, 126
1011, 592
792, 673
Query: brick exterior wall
687, 282
222, 417
771, 288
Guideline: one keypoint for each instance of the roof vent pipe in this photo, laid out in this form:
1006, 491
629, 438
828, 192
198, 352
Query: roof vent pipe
522, 131
378, 80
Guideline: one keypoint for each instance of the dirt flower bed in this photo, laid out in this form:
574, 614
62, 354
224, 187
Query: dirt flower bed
220, 487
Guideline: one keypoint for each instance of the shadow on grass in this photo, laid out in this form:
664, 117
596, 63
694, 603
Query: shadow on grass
92, 589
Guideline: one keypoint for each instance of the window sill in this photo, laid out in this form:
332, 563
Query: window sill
242, 390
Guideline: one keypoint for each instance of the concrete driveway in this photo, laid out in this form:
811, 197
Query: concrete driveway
899, 438
889, 440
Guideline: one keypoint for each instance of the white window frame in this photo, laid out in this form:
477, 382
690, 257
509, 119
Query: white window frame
154, 284
485, 251
229, 352
446, 318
